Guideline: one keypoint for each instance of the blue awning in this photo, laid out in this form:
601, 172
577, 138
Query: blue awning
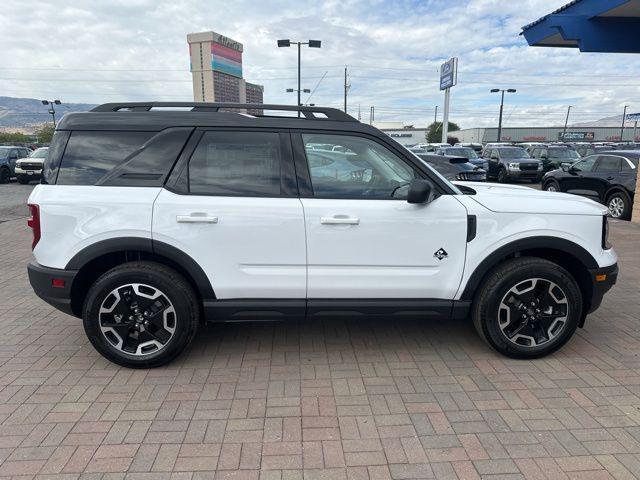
590, 25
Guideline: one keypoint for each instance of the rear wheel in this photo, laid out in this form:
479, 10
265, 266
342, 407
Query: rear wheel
5, 175
619, 205
527, 308
141, 314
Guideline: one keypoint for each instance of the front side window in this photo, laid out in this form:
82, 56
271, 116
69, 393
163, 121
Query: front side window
236, 164
585, 165
364, 169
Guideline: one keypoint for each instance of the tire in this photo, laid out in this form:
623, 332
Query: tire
5, 175
552, 186
541, 333
23, 180
619, 205
502, 175
127, 340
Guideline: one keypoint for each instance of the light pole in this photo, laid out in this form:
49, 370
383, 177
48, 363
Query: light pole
566, 121
311, 43
624, 117
496, 90
52, 109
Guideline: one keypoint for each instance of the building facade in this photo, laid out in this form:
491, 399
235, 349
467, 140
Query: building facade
548, 134
216, 70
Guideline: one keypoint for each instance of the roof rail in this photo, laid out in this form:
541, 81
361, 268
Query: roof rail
311, 113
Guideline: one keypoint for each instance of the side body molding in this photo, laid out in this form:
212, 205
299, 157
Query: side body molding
146, 245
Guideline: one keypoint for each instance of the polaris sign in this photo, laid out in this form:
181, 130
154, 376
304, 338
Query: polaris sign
449, 73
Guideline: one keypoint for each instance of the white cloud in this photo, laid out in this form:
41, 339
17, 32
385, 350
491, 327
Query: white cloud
99, 51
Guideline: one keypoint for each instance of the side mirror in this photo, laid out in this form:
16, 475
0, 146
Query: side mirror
573, 169
544, 156
419, 191
494, 156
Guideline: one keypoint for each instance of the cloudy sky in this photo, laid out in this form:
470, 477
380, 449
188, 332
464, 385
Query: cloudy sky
98, 51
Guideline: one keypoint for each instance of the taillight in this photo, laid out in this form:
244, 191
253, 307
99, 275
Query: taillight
34, 223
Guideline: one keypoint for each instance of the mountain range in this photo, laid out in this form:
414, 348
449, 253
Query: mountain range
28, 113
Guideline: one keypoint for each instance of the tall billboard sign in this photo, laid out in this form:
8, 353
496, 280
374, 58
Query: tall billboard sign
226, 56
449, 73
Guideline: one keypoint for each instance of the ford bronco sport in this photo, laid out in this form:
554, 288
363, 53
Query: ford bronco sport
151, 220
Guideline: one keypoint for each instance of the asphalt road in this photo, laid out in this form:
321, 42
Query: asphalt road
13, 200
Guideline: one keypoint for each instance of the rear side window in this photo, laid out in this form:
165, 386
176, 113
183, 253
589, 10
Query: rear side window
608, 164
90, 155
236, 164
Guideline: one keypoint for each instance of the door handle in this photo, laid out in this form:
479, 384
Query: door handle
196, 218
339, 220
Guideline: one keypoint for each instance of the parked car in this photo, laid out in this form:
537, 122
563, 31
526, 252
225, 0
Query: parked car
477, 147
586, 150
149, 221
465, 152
30, 168
553, 156
9, 155
608, 178
455, 168
512, 163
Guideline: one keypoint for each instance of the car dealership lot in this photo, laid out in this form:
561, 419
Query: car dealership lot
358, 398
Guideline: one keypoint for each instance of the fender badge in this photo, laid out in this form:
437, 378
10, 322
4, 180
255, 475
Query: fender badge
440, 254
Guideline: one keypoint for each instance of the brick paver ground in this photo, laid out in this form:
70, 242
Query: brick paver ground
341, 400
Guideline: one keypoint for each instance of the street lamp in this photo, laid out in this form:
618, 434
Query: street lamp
496, 90
52, 109
312, 44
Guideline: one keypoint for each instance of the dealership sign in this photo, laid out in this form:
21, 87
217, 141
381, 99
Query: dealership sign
588, 136
633, 117
449, 73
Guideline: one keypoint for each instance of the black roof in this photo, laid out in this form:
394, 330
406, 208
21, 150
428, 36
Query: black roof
156, 116
624, 153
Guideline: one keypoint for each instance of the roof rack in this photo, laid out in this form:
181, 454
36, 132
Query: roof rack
311, 113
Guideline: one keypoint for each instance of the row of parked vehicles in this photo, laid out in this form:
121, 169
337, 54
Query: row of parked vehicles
21, 163
603, 172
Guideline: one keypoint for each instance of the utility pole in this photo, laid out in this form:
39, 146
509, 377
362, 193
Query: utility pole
346, 89
359, 115
566, 121
624, 117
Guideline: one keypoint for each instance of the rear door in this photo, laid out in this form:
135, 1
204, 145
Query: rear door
232, 206
608, 173
364, 241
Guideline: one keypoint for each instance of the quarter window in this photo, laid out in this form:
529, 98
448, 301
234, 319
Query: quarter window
355, 167
236, 163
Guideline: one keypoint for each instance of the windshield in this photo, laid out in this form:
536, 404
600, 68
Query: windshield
461, 152
564, 153
514, 152
39, 153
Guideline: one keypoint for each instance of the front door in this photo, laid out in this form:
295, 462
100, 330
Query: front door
364, 241
581, 179
235, 211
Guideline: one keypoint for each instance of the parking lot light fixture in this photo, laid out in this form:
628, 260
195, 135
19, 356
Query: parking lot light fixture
311, 44
52, 110
501, 91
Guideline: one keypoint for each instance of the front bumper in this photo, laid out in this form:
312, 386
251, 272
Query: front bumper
602, 279
56, 293
27, 172
525, 174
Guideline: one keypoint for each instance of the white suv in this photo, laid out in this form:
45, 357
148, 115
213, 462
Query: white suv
150, 221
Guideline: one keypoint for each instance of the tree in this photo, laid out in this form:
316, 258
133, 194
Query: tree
16, 137
45, 133
434, 132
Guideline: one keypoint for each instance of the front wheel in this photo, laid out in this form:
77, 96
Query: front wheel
502, 175
23, 180
141, 314
552, 186
527, 307
619, 205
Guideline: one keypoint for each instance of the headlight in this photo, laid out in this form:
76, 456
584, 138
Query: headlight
539, 166
605, 233
514, 166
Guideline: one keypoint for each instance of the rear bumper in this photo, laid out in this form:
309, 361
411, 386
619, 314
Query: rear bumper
42, 282
602, 279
